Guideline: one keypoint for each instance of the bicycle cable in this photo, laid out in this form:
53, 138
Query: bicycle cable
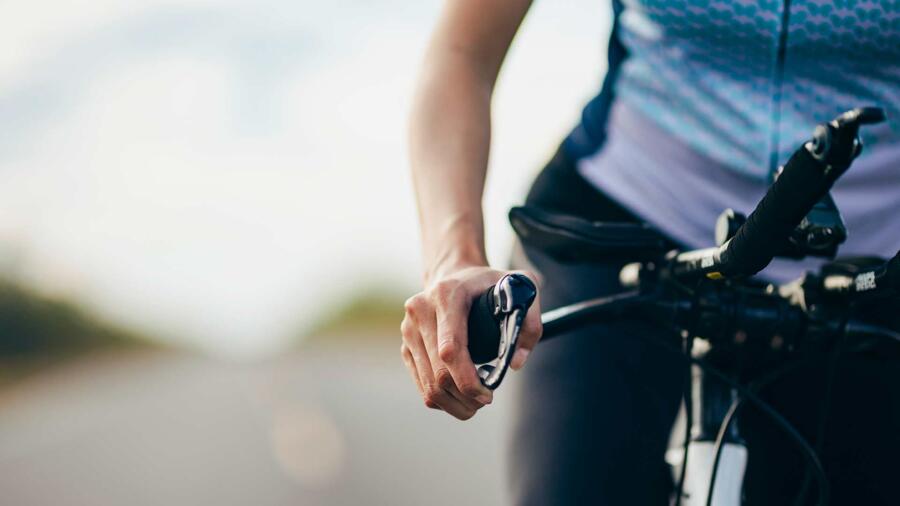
727, 420
765, 408
874, 330
688, 421
820, 433
770, 378
717, 448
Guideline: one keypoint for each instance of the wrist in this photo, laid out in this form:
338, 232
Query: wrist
452, 261
460, 246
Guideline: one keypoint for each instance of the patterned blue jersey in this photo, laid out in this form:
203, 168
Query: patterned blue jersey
744, 82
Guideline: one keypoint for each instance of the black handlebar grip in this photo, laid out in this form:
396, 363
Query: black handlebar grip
802, 182
484, 329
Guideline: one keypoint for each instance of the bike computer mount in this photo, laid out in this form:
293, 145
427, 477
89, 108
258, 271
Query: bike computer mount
820, 233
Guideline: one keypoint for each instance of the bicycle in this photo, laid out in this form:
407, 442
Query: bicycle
708, 296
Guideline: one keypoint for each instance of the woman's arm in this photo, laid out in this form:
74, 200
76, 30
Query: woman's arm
450, 129
449, 144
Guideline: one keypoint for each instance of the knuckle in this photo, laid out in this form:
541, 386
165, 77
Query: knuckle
470, 389
444, 378
465, 415
407, 328
443, 290
413, 304
449, 349
444, 286
434, 396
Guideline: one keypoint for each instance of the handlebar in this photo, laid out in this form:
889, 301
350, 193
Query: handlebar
805, 179
715, 313
484, 329
495, 319
802, 182
875, 283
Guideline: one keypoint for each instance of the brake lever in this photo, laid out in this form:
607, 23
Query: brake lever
504, 307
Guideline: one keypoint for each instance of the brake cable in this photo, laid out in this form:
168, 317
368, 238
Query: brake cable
808, 452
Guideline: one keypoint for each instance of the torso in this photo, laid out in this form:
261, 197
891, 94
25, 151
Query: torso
719, 76
669, 184
713, 96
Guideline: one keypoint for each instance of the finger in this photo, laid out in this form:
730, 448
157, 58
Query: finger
445, 381
412, 340
427, 321
434, 396
452, 345
474, 398
411, 367
531, 329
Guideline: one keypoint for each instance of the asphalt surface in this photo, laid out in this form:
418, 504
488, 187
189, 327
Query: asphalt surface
338, 426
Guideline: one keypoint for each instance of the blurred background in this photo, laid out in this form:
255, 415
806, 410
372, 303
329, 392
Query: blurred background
207, 231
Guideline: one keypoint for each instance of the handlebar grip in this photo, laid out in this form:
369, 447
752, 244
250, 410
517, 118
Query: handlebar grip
803, 181
484, 329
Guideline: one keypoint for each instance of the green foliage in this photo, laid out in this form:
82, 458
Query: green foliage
32, 325
372, 313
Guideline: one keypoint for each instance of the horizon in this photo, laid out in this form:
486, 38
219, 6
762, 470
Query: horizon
185, 167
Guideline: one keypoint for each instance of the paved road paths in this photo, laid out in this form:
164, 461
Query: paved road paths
318, 427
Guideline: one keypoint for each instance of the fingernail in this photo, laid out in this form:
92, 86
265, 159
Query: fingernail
519, 358
484, 399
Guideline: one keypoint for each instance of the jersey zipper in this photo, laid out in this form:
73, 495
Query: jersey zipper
778, 82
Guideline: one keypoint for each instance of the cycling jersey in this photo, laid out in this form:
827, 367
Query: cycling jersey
701, 100
708, 98
745, 82
681, 192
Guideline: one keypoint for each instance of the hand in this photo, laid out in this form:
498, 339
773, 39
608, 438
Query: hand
435, 340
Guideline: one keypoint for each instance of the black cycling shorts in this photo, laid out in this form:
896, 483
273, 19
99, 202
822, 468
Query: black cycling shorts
595, 408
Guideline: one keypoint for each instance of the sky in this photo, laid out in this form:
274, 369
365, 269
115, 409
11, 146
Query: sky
222, 173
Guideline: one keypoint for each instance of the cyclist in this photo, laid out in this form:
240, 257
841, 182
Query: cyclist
701, 103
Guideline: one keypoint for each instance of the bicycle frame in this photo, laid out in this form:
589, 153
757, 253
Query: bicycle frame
704, 293
790, 333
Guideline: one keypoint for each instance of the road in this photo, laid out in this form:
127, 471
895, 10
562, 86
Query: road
326, 426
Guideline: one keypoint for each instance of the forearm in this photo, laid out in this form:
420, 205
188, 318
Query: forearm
449, 145
450, 136
450, 129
